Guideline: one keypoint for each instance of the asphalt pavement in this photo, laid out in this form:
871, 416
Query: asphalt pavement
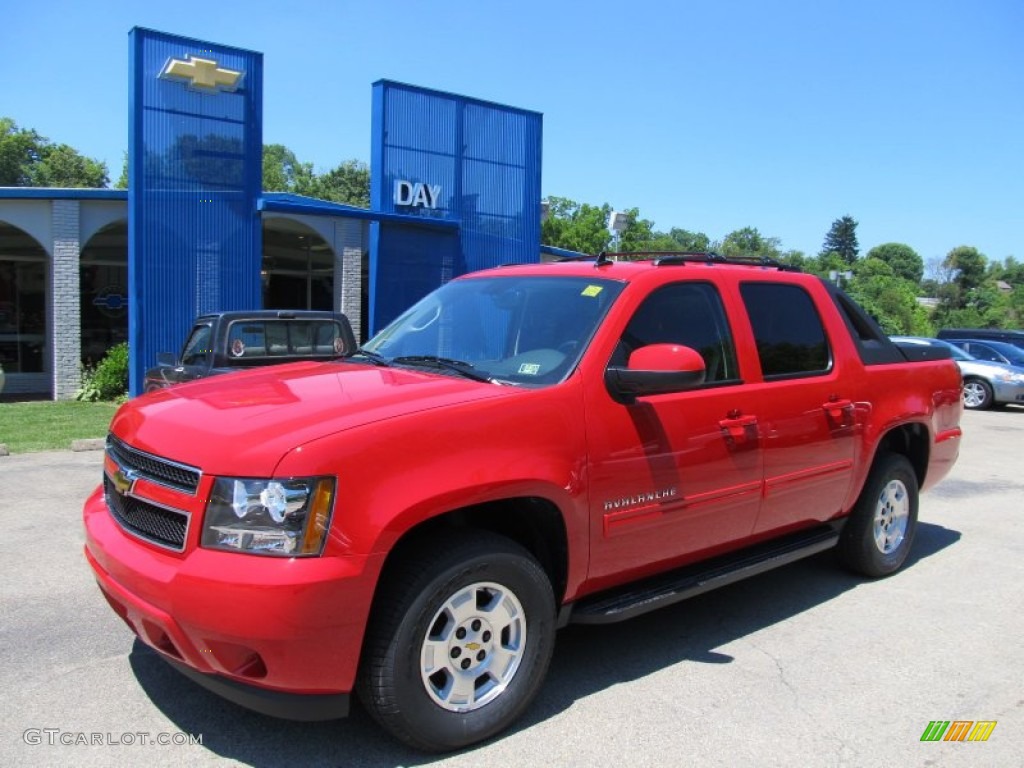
804, 666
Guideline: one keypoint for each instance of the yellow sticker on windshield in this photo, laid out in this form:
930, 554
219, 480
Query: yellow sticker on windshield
592, 290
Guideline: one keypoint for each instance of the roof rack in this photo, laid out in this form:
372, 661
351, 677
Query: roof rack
680, 258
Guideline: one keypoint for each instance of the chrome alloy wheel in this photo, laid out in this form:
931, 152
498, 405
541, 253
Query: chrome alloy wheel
974, 394
892, 513
473, 647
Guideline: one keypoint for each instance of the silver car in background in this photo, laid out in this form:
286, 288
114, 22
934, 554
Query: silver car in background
986, 384
992, 351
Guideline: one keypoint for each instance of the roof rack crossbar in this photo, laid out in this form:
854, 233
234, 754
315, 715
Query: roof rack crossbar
681, 258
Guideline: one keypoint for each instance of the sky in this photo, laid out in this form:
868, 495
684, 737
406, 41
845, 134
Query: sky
907, 115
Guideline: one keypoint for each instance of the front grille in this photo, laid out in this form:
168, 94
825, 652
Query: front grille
163, 471
166, 527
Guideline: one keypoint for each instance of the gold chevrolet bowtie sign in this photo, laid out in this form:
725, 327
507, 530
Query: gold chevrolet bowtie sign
202, 74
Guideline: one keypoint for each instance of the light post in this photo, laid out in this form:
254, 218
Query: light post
617, 223
838, 277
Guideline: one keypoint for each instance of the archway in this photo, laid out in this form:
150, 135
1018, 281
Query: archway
104, 291
23, 302
298, 267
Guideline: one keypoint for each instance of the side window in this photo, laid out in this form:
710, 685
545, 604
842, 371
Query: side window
197, 348
790, 338
982, 352
690, 314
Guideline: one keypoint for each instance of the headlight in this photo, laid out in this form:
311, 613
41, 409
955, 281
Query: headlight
269, 517
1010, 378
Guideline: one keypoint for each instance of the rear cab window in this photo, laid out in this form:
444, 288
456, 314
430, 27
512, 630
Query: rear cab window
251, 339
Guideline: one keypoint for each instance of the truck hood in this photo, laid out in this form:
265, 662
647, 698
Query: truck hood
244, 423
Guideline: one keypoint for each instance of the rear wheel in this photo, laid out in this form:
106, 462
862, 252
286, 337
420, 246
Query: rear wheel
878, 536
459, 642
977, 394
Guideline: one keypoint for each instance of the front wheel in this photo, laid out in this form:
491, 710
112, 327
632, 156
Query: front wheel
977, 394
459, 642
878, 536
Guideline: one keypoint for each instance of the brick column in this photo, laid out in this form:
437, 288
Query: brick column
65, 313
348, 272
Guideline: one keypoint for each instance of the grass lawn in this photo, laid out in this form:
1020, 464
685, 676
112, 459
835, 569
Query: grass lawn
52, 425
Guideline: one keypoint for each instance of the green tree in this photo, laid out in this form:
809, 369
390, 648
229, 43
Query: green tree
30, 160
282, 171
749, 242
638, 234
1009, 271
19, 149
684, 240
63, 166
348, 183
122, 180
903, 259
576, 226
888, 297
968, 296
842, 239
969, 267
797, 259
678, 240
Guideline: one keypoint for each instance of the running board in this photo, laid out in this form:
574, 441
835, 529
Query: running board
656, 592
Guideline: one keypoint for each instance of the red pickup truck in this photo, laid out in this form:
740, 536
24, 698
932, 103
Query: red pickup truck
524, 448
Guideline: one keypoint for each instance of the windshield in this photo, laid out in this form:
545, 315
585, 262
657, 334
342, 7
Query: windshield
1014, 354
528, 330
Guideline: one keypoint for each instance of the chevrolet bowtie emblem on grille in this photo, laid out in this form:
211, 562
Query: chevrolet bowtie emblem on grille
202, 74
124, 480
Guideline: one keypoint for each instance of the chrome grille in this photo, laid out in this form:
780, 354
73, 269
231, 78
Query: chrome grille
163, 471
166, 527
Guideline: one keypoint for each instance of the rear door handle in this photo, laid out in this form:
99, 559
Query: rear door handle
839, 411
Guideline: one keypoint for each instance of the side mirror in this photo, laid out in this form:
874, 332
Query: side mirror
655, 369
166, 358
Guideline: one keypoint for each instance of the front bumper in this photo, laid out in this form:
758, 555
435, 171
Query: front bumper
1008, 392
260, 631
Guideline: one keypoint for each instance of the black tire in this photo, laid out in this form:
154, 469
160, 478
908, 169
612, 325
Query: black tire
978, 394
880, 531
497, 596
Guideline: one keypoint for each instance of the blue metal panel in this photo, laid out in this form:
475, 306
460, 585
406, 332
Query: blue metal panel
484, 162
195, 157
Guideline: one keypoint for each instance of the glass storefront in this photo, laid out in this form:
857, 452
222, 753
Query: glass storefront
104, 291
298, 267
23, 278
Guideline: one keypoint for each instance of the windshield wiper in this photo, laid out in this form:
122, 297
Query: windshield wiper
456, 366
373, 357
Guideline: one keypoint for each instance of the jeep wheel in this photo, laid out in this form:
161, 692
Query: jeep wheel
459, 642
977, 394
878, 536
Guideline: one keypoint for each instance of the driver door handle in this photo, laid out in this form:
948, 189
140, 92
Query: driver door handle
739, 429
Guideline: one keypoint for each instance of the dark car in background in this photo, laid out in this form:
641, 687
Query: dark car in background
229, 341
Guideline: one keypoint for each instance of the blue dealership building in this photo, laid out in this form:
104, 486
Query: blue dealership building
455, 187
